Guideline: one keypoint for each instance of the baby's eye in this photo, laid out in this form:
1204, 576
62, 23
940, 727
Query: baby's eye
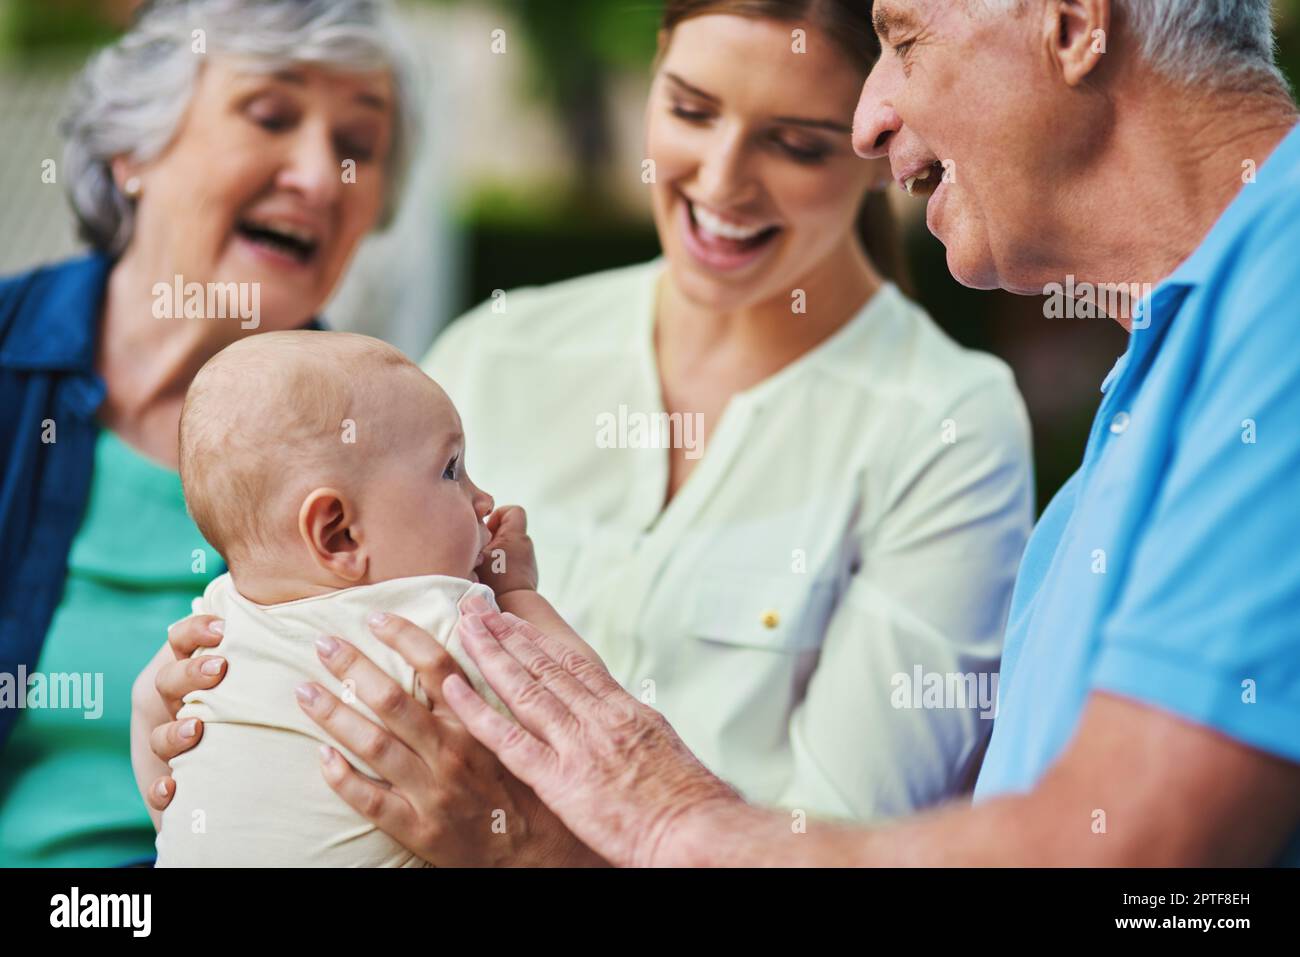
452, 472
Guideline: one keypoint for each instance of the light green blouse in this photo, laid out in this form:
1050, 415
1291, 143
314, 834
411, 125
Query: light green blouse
854, 526
67, 794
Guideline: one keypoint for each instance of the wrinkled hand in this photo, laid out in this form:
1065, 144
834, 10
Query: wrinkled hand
446, 798
611, 768
509, 564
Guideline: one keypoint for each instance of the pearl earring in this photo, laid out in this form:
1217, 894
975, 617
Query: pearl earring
132, 187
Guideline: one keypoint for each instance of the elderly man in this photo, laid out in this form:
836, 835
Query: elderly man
1150, 693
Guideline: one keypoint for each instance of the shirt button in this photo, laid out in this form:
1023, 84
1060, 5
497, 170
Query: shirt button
770, 619
1119, 424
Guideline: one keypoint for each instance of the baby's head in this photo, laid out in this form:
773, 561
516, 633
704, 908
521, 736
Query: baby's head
317, 460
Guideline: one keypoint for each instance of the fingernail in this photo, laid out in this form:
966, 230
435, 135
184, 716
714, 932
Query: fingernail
160, 789
189, 728
211, 666
326, 646
477, 605
454, 687
377, 619
474, 625
307, 693
326, 753
217, 627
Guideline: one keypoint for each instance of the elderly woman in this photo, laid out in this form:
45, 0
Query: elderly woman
245, 147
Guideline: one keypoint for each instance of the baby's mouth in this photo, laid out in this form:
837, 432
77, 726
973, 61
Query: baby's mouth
479, 562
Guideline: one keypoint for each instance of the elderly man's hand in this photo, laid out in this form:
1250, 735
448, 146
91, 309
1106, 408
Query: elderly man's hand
612, 769
440, 787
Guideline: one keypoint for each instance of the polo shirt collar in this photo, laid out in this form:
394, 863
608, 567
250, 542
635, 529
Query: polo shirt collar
1200, 265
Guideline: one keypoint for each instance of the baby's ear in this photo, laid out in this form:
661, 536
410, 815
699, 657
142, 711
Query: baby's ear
325, 523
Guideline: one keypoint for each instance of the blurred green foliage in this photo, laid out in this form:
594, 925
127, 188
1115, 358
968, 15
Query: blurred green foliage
573, 46
31, 27
565, 36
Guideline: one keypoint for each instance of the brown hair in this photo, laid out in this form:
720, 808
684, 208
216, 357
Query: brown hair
848, 25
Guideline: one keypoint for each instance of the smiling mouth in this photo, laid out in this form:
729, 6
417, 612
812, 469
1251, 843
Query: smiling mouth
723, 245
925, 182
284, 238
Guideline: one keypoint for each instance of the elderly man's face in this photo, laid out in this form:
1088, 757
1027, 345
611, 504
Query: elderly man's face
969, 101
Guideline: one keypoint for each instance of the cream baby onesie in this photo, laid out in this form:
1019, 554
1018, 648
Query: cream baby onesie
251, 793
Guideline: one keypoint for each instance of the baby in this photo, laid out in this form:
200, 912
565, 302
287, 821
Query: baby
329, 472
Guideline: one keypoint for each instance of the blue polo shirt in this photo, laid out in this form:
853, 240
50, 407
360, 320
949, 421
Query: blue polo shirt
1167, 569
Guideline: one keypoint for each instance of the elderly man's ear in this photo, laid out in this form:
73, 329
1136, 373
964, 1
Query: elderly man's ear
1076, 33
327, 524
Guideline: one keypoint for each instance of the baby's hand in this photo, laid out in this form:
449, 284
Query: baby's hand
509, 563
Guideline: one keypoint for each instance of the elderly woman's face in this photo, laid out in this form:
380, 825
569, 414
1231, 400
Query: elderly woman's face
271, 179
970, 103
756, 182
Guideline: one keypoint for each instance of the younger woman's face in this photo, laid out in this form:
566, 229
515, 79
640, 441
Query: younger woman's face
756, 182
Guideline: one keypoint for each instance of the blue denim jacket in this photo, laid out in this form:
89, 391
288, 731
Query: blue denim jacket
49, 395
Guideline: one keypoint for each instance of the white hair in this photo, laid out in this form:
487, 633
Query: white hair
1215, 42
131, 96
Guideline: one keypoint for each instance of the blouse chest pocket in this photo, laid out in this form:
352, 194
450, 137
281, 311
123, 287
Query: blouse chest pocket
788, 613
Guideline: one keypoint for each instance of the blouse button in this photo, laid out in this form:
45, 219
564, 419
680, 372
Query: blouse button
1120, 423
771, 619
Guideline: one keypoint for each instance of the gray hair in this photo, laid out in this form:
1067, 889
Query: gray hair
131, 96
1214, 42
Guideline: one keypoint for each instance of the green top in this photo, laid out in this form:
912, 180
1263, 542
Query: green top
67, 794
